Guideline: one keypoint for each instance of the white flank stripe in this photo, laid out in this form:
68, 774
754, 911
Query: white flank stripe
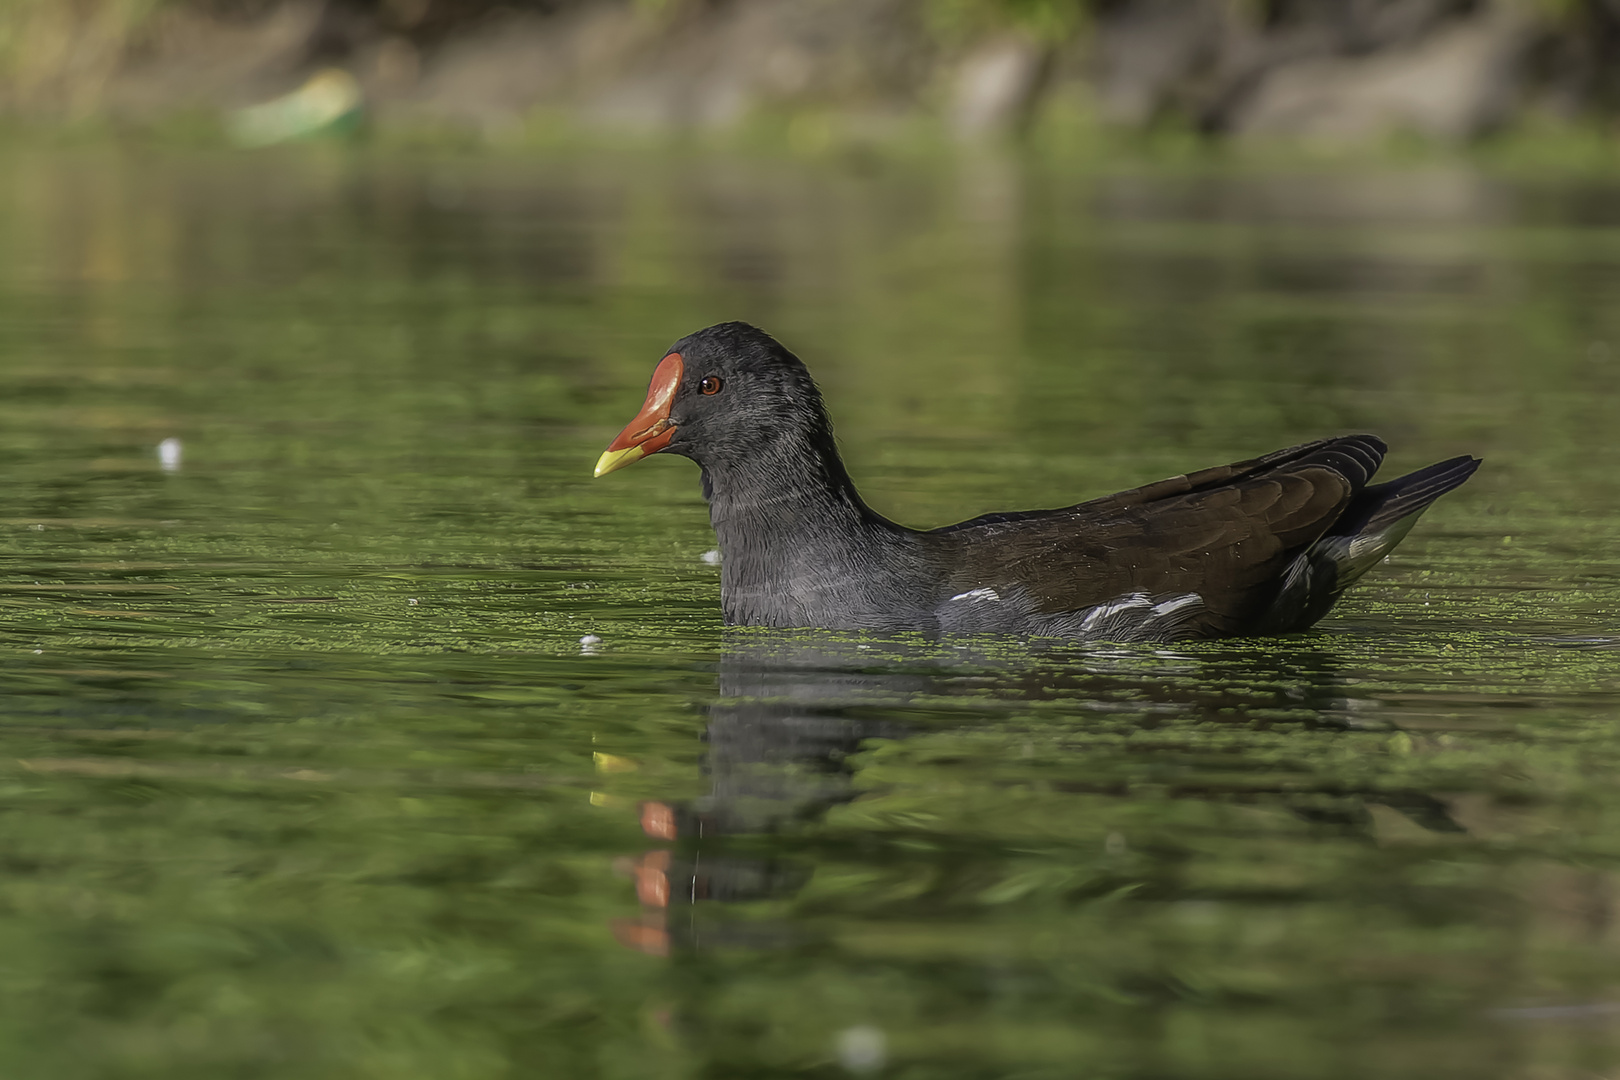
1175, 604
987, 595
1114, 607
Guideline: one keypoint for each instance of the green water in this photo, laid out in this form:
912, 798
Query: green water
305, 772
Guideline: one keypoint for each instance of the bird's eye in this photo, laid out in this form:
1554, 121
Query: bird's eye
709, 385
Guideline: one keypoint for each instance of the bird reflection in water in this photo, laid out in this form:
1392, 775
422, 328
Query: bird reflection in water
777, 740
794, 706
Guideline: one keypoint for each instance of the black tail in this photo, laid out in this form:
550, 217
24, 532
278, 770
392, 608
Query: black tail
1374, 509
1378, 518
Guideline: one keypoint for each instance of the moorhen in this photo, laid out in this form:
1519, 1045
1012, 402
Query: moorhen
1256, 548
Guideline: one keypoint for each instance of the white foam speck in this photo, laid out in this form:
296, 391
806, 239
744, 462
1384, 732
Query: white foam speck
863, 1049
712, 557
169, 454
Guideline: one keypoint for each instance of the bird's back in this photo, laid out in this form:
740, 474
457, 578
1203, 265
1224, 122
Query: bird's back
1224, 551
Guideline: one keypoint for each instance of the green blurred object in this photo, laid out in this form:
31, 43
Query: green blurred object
328, 104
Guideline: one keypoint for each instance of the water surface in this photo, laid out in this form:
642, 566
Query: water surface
306, 771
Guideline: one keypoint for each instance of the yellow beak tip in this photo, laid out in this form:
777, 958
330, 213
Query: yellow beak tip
618, 459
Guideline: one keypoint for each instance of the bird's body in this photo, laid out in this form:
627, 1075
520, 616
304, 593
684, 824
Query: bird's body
1259, 547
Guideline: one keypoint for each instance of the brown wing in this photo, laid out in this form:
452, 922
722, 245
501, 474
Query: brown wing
1226, 533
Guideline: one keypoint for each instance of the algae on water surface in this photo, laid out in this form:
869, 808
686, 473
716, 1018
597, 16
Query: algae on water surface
306, 771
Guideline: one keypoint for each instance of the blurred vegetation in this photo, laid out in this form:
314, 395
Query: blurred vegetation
1093, 64
41, 38
1047, 20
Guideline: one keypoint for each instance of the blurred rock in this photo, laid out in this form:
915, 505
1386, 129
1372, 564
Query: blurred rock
395, 65
996, 86
1147, 50
513, 62
189, 58
717, 64
1454, 84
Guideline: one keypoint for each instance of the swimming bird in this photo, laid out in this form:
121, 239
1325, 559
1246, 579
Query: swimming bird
1259, 547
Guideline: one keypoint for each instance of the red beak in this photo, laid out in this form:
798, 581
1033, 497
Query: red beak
651, 430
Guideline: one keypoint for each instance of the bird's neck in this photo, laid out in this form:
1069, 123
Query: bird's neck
798, 546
